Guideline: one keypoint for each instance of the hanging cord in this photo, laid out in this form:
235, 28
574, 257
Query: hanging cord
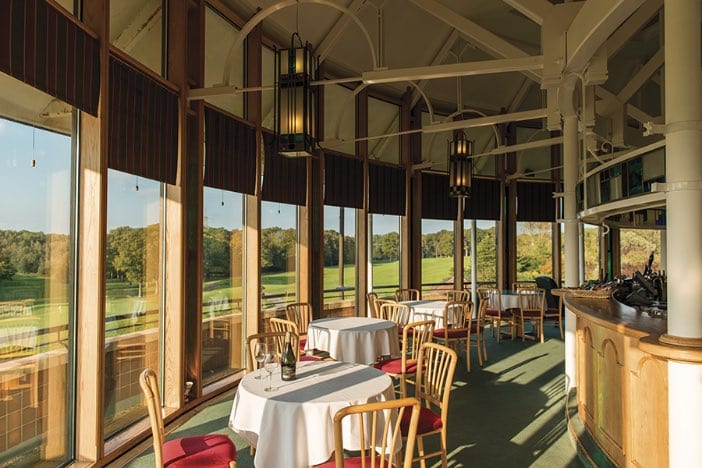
34, 161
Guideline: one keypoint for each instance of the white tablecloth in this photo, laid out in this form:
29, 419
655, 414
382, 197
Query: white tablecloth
354, 339
293, 426
427, 310
509, 300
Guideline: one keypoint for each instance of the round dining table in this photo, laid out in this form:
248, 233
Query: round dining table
353, 339
427, 310
292, 426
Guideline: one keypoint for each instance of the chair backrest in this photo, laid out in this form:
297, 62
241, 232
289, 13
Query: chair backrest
379, 435
149, 386
280, 325
275, 340
301, 314
547, 284
413, 336
372, 304
523, 285
531, 299
457, 295
492, 297
436, 366
406, 294
19, 336
458, 314
395, 312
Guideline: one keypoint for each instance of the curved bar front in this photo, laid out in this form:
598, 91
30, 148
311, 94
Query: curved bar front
622, 390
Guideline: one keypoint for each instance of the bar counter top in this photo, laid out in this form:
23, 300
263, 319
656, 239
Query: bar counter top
614, 315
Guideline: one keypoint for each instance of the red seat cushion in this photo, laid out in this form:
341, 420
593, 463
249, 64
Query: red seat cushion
428, 421
205, 450
553, 311
303, 342
394, 366
452, 333
305, 357
351, 463
532, 313
475, 326
494, 313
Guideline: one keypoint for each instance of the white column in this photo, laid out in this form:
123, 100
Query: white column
683, 113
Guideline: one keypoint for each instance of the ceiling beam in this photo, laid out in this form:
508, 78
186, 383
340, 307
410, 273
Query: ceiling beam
520, 95
631, 26
439, 58
591, 28
145, 19
642, 76
484, 121
535, 10
486, 40
482, 67
327, 44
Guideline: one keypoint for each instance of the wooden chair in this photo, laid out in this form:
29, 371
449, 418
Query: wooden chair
406, 294
19, 344
460, 326
457, 295
413, 336
211, 450
301, 314
281, 326
516, 285
531, 308
395, 312
556, 315
378, 434
275, 340
372, 299
493, 312
436, 366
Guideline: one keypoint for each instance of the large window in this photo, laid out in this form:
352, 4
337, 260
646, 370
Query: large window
437, 256
136, 28
220, 35
340, 110
383, 118
486, 251
35, 295
591, 249
134, 292
278, 254
636, 245
222, 288
385, 254
534, 250
339, 256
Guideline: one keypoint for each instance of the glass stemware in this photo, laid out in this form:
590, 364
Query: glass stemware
269, 365
260, 353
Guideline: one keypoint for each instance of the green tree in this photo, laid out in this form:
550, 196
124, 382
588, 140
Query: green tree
7, 270
216, 253
487, 255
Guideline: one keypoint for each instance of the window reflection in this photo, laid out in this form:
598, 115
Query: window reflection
385, 254
339, 256
437, 256
278, 255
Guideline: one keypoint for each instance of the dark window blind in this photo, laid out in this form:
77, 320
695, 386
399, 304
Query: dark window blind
535, 201
343, 181
42, 47
386, 191
143, 125
436, 203
230, 153
284, 179
484, 202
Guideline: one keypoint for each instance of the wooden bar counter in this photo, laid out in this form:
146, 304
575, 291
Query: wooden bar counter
622, 390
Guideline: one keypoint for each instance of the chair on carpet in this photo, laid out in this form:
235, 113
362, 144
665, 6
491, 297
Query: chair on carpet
531, 308
436, 366
281, 326
379, 436
459, 326
210, 450
413, 336
554, 306
301, 314
494, 312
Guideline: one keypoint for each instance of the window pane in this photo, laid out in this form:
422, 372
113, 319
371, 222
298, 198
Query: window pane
636, 246
339, 257
486, 248
385, 254
35, 295
534, 254
220, 35
134, 294
278, 255
338, 103
222, 288
592, 252
437, 256
136, 29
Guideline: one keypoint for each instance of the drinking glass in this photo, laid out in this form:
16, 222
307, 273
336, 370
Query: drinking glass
270, 366
260, 352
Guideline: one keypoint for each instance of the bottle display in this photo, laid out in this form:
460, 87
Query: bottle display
288, 360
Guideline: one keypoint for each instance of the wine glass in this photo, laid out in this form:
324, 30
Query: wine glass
269, 365
260, 353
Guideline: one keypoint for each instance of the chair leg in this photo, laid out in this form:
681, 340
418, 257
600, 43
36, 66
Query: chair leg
541, 329
403, 386
468, 353
560, 325
499, 329
420, 450
444, 461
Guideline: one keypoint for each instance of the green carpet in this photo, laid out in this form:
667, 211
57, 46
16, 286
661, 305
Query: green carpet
509, 413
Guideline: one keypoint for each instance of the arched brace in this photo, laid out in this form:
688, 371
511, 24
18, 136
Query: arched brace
265, 13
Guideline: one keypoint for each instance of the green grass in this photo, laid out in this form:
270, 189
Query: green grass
437, 269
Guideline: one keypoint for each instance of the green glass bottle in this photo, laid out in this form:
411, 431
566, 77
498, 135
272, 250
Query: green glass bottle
288, 360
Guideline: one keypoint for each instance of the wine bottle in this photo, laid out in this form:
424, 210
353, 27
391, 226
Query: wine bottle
288, 360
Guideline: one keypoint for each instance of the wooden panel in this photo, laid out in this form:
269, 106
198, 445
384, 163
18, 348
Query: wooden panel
648, 399
610, 391
586, 373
